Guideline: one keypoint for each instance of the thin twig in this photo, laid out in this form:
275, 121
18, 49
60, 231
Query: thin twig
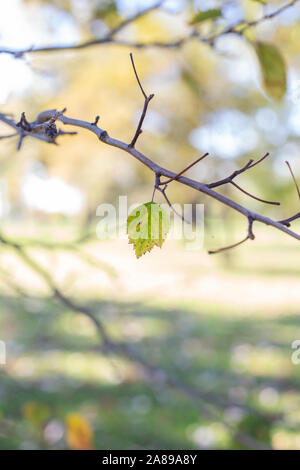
185, 169
2, 137
163, 191
254, 197
229, 179
250, 236
46, 131
146, 103
260, 160
108, 38
137, 77
268, 16
250, 164
287, 222
294, 179
96, 121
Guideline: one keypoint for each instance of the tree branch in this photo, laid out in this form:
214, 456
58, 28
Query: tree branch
250, 236
229, 179
288, 221
185, 169
157, 169
268, 16
110, 38
146, 103
46, 131
107, 39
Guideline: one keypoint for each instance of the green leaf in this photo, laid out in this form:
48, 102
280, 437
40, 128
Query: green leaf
205, 15
108, 12
273, 69
147, 226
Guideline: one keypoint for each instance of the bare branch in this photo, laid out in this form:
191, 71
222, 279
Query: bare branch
95, 123
136, 75
135, 17
260, 160
254, 197
287, 222
2, 137
250, 236
110, 38
20, 142
185, 169
24, 124
61, 132
163, 191
107, 39
268, 16
146, 103
158, 183
294, 179
45, 131
230, 179
157, 169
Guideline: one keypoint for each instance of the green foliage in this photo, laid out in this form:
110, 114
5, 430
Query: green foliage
190, 81
273, 69
147, 226
108, 12
255, 425
205, 15
61, 4
262, 2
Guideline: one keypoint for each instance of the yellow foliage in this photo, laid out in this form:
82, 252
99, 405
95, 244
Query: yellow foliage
79, 432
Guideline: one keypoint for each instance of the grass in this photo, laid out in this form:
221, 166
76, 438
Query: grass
224, 327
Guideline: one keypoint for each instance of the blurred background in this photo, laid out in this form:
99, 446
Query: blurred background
221, 325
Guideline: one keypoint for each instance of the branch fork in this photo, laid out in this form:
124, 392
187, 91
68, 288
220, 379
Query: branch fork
25, 128
145, 108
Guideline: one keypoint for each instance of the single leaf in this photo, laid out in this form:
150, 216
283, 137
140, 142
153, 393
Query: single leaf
79, 432
107, 12
201, 16
147, 226
273, 69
